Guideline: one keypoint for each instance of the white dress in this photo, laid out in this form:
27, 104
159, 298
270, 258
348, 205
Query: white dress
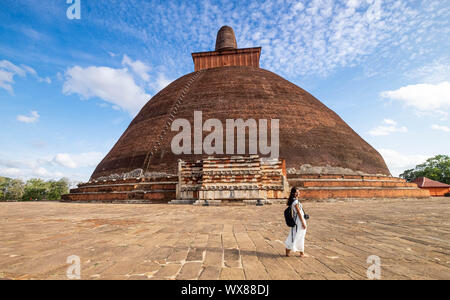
296, 238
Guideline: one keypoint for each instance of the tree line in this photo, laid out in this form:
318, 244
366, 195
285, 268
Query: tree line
436, 168
32, 190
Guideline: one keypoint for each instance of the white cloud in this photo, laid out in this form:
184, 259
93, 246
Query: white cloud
389, 127
10, 172
353, 3
138, 67
399, 162
27, 172
423, 97
317, 36
31, 118
9, 66
6, 80
299, 37
8, 71
298, 7
116, 86
65, 160
440, 127
88, 159
389, 122
41, 172
161, 82
52, 166
435, 72
46, 80
29, 70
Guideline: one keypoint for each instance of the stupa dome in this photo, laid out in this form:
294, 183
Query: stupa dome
228, 84
309, 133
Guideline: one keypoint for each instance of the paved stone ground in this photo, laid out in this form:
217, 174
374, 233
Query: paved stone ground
412, 238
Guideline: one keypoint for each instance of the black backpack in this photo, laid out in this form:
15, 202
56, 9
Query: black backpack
289, 217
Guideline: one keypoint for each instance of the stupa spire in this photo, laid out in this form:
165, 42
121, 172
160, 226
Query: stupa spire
227, 53
226, 40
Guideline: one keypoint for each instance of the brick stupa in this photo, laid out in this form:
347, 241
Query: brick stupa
323, 156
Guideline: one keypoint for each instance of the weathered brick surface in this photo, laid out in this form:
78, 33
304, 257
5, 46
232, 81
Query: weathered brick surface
363, 193
342, 176
143, 190
310, 133
236, 57
231, 180
340, 183
322, 187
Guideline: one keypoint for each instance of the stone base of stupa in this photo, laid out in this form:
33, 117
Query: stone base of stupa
156, 189
240, 180
235, 180
338, 186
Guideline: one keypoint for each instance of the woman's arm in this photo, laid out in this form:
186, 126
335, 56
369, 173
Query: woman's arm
297, 208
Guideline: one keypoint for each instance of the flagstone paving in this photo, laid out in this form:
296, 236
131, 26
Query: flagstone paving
411, 238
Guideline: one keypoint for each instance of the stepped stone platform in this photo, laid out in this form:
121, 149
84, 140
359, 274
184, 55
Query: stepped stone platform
144, 190
337, 186
244, 181
240, 180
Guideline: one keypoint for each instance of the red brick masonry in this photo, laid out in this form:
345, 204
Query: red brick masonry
312, 187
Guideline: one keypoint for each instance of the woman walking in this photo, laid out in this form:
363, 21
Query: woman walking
296, 239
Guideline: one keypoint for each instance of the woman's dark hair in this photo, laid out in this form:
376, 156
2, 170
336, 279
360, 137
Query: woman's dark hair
291, 196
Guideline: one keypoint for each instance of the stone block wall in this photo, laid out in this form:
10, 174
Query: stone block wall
231, 180
155, 189
342, 186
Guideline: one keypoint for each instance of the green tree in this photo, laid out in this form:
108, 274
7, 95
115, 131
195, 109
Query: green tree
58, 188
436, 168
35, 189
12, 189
2, 188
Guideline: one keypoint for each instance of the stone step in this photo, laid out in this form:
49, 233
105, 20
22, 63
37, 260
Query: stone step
177, 201
340, 176
154, 196
354, 188
344, 180
166, 179
332, 193
127, 183
125, 187
225, 202
158, 186
110, 182
351, 183
104, 188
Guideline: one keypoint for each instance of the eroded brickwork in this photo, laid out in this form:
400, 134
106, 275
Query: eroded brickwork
160, 189
328, 186
232, 180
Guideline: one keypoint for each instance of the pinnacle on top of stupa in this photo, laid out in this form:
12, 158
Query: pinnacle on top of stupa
226, 40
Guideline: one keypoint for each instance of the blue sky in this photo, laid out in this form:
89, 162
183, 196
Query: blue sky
69, 87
